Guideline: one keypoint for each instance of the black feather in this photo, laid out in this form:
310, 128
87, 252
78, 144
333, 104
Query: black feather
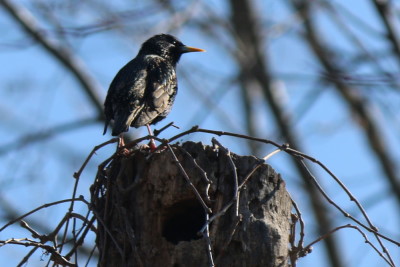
144, 90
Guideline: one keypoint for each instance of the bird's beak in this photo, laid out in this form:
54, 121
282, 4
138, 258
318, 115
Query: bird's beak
186, 49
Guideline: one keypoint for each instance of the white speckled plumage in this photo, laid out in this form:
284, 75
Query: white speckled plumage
144, 90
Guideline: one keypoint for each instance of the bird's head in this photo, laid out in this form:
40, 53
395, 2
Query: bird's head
166, 46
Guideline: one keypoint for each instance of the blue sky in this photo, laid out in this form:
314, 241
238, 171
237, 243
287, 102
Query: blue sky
38, 94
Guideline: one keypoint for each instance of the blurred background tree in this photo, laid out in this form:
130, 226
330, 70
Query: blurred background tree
320, 75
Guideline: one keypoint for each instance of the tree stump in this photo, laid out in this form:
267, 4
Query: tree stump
149, 214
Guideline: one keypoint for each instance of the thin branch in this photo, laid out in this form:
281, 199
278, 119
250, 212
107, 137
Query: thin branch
79, 172
372, 228
55, 255
45, 134
229, 240
309, 246
81, 239
90, 255
186, 176
355, 101
42, 207
156, 132
289, 151
250, 174
235, 195
27, 256
66, 57
272, 154
385, 9
206, 235
302, 225
202, 171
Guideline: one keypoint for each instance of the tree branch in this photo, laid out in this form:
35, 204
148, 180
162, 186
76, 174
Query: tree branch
254, 65
352, 97
65, 56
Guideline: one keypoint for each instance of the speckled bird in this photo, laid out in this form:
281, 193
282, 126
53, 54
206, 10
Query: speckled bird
144, 90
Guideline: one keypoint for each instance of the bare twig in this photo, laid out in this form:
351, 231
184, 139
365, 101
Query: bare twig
254, 67
60, 52
292, 152
44, 135
309, 246
157, 132
79, 172
77, 175
202, 172
297, 251
42, 207
27, 256
229, 240
56, 257
235, 195
206, 235
81, 239
250, 174
354, 99
302, 226
384, 9
272, 154
372, 228
35, 234
90, 256
186, 176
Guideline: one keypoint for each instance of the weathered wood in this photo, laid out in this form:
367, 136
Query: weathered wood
154, 216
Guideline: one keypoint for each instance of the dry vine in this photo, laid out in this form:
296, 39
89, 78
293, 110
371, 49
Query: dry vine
71, 238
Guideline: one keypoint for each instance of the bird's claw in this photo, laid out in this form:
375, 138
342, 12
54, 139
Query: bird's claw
124, 151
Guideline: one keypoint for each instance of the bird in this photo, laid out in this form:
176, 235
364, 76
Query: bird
143, 91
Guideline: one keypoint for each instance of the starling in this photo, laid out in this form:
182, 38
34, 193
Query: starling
144, 90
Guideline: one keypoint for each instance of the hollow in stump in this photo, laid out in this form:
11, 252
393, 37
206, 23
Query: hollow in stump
154, 208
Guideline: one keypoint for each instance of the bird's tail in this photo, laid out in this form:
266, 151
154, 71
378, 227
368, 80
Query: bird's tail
120, 126
123, 119
105, 127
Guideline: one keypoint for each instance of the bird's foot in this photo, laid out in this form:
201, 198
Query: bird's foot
152, 145
144, 147
124, 151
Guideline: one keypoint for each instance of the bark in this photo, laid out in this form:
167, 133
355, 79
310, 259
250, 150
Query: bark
149, 214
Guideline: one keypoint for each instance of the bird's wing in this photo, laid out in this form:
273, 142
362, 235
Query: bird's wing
125, 96
160, 90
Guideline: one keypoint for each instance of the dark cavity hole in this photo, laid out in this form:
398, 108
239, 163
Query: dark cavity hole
183, 221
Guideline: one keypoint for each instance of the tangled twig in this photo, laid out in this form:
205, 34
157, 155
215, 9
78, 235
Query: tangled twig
101, 184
